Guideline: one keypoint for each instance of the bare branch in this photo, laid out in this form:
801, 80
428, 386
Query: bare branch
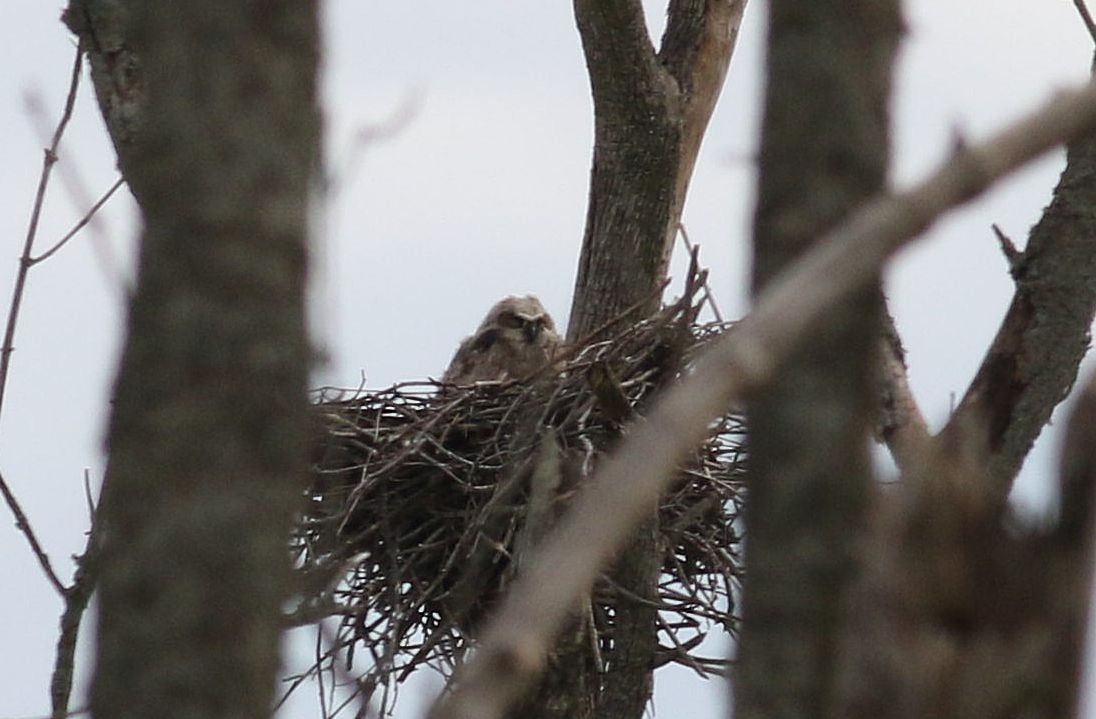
618, 48
23, 525
1087, 17
901, 424
693, 27
76, 603
83, 222
1013, 256
513, 645
696, 49
25, 262
651, 110
709, 296
1033, 360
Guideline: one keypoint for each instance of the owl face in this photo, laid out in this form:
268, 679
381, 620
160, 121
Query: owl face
515, 339
518, 320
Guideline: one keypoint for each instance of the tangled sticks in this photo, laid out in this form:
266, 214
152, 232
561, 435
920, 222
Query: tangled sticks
426, 498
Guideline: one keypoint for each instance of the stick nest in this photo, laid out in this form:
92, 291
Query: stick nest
426, 499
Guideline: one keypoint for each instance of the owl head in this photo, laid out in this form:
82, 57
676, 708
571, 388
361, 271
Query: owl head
515, 339
518, 320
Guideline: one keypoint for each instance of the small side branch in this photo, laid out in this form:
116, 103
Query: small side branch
81, 224
25, 263
512, 650
1013, 255
23, 525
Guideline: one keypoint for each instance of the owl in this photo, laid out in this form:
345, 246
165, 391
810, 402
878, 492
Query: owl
515, 339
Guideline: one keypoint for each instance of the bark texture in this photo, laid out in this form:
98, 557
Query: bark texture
105, 34
1032, 364
651, 109
824, 151
207, 437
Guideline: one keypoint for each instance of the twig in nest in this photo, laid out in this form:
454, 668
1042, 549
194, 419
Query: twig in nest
438, 492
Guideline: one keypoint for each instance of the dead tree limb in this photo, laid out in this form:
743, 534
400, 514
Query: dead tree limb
1033, 360
513, 645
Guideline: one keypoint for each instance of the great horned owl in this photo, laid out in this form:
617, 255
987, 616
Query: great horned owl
515, 339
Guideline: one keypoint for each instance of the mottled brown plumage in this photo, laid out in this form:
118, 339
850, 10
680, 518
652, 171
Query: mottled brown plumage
515, 339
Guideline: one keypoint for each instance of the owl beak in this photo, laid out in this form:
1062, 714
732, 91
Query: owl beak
531, 329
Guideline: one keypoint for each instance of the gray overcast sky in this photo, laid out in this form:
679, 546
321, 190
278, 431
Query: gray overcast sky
481, 194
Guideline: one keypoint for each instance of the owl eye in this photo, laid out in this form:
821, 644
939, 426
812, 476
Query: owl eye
510, 321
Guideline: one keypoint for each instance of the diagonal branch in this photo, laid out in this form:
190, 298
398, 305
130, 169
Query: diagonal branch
1086, 16
513, 644
619, 53
651, 110
26, 261
696, 49
81, 224
48, 161
23, 525
1032, 363
901, 425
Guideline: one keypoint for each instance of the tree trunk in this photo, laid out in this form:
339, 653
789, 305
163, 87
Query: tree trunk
207, 437
117, 73
651, 109
823, 152
650, 113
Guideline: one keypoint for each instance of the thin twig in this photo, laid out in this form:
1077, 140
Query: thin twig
1013, 256
512, 651
1087, 17
87, 496
79, 225
24, 527
48, 161
77, 596
709, 297
369, 136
